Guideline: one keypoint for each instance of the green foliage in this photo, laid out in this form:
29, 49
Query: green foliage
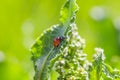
43, 50
68, 12
102, 69
68, 59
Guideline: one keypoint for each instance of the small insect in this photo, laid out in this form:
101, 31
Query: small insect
58, 40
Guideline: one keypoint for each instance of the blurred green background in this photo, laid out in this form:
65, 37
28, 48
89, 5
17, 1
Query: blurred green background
22, 21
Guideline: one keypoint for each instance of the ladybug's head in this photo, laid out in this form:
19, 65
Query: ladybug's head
61, 38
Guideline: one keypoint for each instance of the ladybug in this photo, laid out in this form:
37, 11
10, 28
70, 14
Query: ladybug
58, 40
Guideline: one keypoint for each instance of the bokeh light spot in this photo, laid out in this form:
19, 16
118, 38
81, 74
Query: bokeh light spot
27, 27
2, 56
97, 13
117, 23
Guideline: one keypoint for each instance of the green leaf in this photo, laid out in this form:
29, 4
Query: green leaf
43, 50
111, 73
68, 12
102, 69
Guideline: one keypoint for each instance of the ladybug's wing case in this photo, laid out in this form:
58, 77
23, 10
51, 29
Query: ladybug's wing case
56, 42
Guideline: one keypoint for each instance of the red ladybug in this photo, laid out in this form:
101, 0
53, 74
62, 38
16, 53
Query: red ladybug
58, 40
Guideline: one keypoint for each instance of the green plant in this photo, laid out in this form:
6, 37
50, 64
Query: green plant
68, 59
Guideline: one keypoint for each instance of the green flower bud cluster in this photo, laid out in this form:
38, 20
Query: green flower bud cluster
72, 63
